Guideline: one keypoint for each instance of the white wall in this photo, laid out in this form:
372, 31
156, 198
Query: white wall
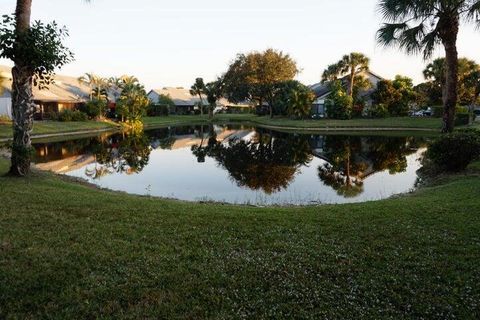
6, 107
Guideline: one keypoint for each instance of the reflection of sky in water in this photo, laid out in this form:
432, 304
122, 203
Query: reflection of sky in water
177, 174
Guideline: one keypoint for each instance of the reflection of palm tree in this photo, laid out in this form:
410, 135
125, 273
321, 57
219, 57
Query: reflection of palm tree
343, 174
127, 153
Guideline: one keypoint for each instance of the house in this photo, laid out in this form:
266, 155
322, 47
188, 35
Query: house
65, 93
185, 103
322, 91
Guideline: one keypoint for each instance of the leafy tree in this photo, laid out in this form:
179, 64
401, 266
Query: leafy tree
198, 89
293, 98
339, 103
165, 100
36, 51
419, 26
351, 66
396, 95
255, 76
213, 91
132, 104
435, 72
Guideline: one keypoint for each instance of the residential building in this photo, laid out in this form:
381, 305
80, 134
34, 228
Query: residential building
64, 93
322, 91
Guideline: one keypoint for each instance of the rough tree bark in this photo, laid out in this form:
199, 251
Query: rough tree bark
23, 107
450, 98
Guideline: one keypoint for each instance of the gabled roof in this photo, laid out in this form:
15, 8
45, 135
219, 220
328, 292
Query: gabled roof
321, 89
64, 89
180, 96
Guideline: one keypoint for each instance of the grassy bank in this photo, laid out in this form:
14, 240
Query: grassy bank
68, 250
54, 127
399, 122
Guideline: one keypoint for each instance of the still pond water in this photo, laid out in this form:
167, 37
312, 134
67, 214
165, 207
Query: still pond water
240, 164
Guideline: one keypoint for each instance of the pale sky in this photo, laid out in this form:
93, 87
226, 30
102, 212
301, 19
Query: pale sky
170, 43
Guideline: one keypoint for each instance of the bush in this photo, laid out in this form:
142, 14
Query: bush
155, 110
94, 108
455, 151
378, 111
437, 111
4, 118
68, 115
462, 119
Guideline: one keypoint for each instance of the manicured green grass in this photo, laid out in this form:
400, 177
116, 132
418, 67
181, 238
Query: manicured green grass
49, 127
150, 122
398, 122
68, 250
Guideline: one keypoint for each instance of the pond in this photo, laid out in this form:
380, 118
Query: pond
240, 164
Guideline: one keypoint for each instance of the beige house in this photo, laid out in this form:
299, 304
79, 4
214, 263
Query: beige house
65, 93
185, 103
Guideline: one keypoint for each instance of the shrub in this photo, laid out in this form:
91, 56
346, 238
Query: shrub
94, 108
462, 119
68, 115
155, 110
65, 115
77, 115
378, 111
437, 111
4, 118
454, 151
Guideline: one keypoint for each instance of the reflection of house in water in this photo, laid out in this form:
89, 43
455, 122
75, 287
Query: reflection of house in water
191, 136
67, 164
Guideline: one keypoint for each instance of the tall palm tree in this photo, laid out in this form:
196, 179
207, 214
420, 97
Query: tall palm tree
198, 89
419, 26
23, 107
351, 65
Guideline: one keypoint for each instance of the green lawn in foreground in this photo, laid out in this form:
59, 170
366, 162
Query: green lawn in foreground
71, 251
47, 127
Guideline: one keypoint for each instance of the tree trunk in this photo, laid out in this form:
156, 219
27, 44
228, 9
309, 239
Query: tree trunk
449, 39
210, 112
201, 104
23, 107
352, 83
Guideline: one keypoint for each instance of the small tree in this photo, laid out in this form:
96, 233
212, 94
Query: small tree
198, 89
339, 103
132, 104
213, 90
294, 98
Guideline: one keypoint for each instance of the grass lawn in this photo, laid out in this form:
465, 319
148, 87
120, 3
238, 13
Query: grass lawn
399, 122
68, 250
48, 127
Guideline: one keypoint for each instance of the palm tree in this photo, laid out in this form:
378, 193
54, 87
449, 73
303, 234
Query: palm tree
352, 65
96, 84
418, 26
22, 95
198, 89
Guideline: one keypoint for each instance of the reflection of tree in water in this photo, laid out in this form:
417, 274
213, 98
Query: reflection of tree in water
269, 162
352, 159
127, 153
343, 171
